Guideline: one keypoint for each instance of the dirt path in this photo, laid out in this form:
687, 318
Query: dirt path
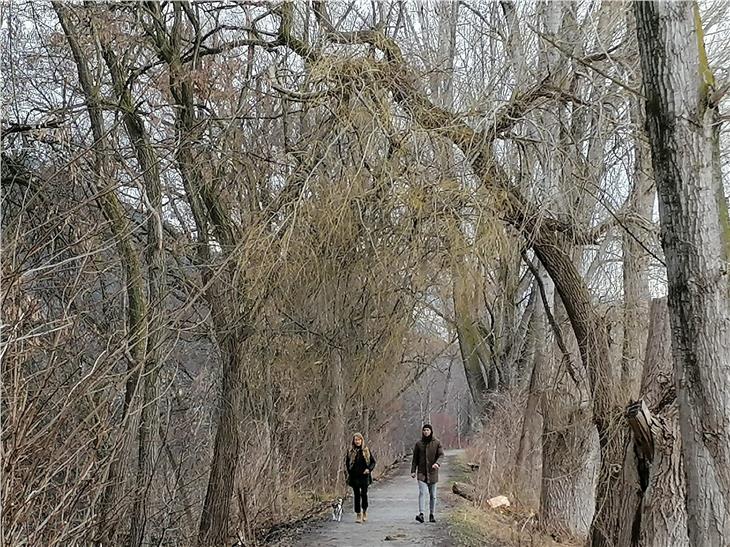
391, 516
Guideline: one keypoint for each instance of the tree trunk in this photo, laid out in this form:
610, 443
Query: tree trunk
661, 518
226, 450
619, 483
569, 440
152, 199
528, 467
337, 418
569, 466
635, 265
663, 512
682, 123
137, 320
469, 340
230, 314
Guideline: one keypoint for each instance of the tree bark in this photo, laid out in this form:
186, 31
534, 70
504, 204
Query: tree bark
226, 449
662, 519
570, 454
570, 451
682, 123
137, 318
635, 264
469, 340
528, 466
152, 199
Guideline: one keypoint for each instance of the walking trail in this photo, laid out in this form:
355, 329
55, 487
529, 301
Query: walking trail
391, 515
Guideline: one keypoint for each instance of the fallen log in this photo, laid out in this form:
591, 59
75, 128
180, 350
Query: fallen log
498, 501
464, 490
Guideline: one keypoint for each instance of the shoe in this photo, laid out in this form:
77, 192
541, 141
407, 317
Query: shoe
419, 518
358, 519
430, 518
364, 516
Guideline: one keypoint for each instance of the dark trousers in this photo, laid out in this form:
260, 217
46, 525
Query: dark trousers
360, 493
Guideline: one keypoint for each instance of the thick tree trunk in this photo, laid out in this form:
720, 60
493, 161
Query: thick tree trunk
682, 124
226, 450
661, 518
469, 341
569, 467
663, 513
570, 447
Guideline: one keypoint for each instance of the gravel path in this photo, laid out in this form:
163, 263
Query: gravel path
391, 516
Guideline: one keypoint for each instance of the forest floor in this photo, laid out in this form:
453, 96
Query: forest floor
391, 518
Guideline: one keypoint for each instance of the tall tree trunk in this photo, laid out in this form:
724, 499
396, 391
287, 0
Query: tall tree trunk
155, 255
635, 263
661, 518
682, 122
528, 467
226, 449
570, 452
469, 340
620, 491
136, 317
337, 418
230, 314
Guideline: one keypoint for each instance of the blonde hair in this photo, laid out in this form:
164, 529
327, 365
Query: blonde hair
363, 446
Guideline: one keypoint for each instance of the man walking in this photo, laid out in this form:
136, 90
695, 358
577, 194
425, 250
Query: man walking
425, 467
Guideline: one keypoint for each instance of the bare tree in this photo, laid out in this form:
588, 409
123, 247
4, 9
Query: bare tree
683, 126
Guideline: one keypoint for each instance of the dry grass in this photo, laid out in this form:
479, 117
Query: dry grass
495, 450
473, 526
476, 524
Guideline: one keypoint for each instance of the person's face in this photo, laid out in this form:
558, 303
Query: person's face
357, 441
426, 432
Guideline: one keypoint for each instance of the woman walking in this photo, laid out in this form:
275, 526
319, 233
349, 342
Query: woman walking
360, 463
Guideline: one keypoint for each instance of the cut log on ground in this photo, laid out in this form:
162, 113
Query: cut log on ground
498, 501
464, 490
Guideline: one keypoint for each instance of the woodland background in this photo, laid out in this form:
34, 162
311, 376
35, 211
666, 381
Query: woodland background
235, 232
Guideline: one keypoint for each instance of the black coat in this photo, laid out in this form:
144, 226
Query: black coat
356, 476
425, 454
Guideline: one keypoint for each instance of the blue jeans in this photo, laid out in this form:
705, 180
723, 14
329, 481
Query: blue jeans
425, 489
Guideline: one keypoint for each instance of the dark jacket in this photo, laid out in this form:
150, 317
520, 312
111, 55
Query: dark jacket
356, 465
425, 454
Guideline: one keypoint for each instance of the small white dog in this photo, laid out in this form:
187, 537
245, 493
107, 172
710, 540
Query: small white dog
337, 509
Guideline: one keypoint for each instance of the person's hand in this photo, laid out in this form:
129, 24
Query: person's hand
366, 472
435, 466
413, 475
